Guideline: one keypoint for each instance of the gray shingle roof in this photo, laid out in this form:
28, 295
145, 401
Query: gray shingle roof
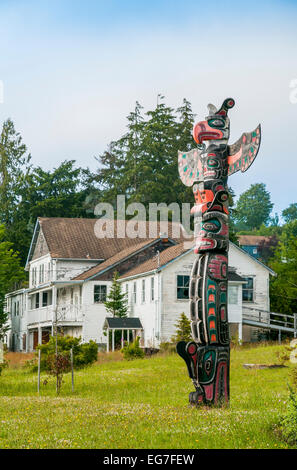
123, 323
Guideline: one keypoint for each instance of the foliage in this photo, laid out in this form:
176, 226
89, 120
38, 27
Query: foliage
57, 365
289, 421
183, 329
142, 164
146, 395
283, 287
253, 207
267, 247
117, 302
11, 274
83, 353
133, 350
3, 365
290, 213
167, 347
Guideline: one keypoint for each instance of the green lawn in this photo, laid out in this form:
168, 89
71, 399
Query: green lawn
143, 404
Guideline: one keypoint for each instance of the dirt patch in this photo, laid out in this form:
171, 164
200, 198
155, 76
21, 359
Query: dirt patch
18, 359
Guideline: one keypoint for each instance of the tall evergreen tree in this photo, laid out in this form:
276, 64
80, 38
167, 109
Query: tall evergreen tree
116, 302
11, 273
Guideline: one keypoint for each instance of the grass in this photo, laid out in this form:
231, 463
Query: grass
143, 404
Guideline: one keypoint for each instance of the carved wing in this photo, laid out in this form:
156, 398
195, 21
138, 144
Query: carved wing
244, 151
190, 166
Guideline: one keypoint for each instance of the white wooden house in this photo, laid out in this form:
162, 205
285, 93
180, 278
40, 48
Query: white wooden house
71, 270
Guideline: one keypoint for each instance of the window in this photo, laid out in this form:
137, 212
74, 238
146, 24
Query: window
34, 276
183, 287
41, 273
100, 294
46, 298
127, 292
34, 301
49, 271
143, 291
152, 289
233, 295
134, 292
248, 289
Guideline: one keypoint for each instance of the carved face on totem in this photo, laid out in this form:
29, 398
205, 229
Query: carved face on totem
216, 126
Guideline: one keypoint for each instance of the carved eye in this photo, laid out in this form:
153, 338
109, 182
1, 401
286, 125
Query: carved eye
212, 163
216, 123
208, 365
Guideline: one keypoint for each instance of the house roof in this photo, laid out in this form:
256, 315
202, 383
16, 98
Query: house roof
233, 276
115, 260
153, 263
255, 260
252, 240
165, 257
78, 238
131, 323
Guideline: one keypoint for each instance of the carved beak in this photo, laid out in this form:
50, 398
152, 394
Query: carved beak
202, 131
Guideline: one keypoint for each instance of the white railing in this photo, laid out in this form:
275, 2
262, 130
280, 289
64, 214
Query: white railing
65, 313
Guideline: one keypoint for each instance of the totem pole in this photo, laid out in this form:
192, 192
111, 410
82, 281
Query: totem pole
207, 168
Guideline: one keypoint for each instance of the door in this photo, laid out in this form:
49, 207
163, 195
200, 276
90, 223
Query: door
35, 339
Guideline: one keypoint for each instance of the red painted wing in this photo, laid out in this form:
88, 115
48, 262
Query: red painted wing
244, 151
190, 166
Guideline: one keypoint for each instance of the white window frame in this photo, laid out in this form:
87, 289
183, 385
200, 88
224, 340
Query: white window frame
102, 295
249, 289
182, 287
152, 289
134, 296
143, 291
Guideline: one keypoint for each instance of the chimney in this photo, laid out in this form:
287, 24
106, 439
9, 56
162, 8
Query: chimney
164, 237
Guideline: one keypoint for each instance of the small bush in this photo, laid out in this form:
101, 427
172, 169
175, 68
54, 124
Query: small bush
133, 351
289, 421
167, 348
83, 354
3, 365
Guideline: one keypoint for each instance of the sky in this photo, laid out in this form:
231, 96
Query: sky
71, 71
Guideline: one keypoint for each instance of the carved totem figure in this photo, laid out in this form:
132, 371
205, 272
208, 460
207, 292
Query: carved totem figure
207, 168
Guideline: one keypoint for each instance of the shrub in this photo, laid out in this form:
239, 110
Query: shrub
289, 421
57, 365
3, 365
133, 351
83, 354
167, 347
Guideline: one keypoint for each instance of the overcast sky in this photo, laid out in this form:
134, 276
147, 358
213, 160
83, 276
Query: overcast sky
72, 71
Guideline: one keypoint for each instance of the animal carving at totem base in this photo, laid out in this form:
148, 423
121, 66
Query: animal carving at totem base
206, 168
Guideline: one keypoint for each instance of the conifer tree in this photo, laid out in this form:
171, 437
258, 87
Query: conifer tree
116, 302
183, 329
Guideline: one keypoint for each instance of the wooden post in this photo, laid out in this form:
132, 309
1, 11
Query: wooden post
128, 331
295, 325
38, 382
107, 347
72, 372
122, 339
112, 336
133, 335
279, 336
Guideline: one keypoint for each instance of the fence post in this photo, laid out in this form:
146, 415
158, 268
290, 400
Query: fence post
72, 372
279, 336
38, 383
295, 325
